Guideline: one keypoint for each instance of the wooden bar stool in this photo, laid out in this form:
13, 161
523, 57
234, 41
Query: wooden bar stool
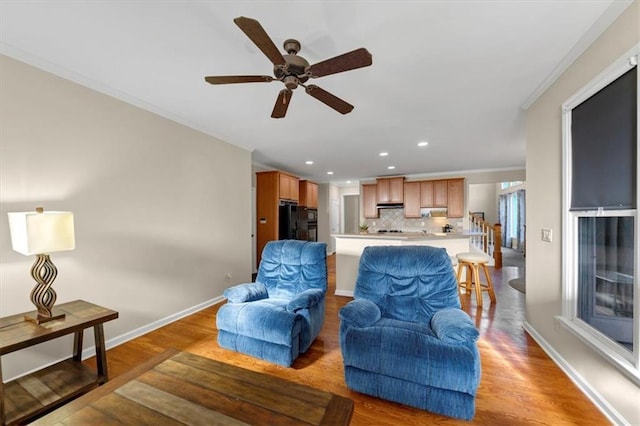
454, 264
472, 263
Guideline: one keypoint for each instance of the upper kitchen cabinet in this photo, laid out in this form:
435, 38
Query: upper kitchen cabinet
426, 193
412, 199
390, 190
288, 188
455, 193
369, 201
440, 191
271, 188
308, 194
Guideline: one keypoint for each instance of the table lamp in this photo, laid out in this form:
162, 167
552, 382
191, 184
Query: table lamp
40, 233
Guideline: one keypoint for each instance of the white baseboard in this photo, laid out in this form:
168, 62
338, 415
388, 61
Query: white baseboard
118, 340
346, 293
611, 413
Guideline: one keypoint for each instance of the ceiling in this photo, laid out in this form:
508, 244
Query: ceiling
454, 73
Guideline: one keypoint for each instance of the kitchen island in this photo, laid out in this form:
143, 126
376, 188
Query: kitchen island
349, 248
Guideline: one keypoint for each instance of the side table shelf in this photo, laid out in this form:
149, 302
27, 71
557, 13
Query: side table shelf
30, 396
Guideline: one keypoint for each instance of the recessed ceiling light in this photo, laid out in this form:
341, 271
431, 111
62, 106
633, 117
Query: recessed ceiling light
423, 143
391, 167
329, 173
308, 162
384, 154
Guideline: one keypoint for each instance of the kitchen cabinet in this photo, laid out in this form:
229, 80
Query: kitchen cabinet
308, 194
412, 199
455, 198
271, 188
440, 193
289, 189
390, 190
426, 193
369, 201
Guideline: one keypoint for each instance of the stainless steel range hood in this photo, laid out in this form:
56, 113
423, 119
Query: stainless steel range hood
390, 206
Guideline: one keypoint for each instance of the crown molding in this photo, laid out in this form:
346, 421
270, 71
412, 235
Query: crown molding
599, 26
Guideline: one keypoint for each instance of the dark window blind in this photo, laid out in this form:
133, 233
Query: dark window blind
604, 145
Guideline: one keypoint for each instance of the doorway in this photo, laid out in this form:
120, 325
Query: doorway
351, 211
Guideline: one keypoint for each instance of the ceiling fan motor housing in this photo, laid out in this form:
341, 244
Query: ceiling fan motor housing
296, 66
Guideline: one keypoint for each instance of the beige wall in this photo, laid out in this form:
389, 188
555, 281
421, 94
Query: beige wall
162, 212
544, 210
483, 197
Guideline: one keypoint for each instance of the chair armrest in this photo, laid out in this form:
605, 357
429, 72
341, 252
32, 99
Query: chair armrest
246, 292
305, 300
360, 313
453, 325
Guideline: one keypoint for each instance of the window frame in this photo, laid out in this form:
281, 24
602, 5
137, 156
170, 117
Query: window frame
628, 362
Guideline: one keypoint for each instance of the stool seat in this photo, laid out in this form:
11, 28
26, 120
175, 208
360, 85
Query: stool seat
473, 257
473, 262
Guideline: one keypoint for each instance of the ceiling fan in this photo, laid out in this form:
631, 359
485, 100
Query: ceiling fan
294, 70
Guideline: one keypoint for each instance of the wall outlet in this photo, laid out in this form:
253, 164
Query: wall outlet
373, 223
546, 235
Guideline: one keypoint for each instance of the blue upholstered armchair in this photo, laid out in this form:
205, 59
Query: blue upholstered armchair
281, 314
404, 338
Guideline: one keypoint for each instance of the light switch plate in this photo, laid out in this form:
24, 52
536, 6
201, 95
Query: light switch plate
546, 235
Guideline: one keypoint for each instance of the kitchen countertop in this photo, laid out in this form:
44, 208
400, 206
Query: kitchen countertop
349, 249
409, 235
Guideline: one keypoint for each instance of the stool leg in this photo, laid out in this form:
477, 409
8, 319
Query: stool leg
468, 282
476, 279
461, 267
459, 275
492, 294
460, 295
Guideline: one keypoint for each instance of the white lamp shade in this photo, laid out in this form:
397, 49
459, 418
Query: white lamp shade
41, 233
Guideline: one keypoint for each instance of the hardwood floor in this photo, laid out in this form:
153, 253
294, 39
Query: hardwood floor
520, 384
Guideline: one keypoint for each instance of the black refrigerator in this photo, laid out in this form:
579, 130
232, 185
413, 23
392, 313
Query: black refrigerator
293, 222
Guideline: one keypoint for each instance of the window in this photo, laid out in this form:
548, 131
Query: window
600, 221
505, 185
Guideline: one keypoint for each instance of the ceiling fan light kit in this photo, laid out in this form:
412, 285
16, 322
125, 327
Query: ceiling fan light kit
293, 70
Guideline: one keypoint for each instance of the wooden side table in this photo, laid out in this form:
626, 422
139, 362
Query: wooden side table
30, 396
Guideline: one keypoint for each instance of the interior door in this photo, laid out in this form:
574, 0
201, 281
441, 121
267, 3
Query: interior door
351, 204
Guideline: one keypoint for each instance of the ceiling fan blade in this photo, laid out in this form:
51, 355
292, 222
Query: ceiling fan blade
348, 61
229, 79
282, 103
259, 37
327, 98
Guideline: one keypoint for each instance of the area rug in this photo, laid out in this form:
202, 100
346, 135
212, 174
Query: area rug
518, 284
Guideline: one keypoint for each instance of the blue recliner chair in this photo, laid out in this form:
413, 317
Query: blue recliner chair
281, 314
404, 338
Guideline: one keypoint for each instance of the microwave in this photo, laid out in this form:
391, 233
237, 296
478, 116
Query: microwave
312, 215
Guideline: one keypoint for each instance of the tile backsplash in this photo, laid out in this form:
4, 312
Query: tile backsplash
393, 219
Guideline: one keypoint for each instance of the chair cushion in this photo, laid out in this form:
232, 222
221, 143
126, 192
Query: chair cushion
266, 320
408, 283
289, 267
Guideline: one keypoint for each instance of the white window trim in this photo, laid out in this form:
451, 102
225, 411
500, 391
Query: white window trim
627, 362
